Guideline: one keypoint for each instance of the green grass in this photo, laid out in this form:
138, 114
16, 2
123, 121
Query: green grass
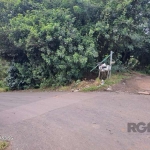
90, 89
88, 85
3, 87
115, 78
3, 145
2, 90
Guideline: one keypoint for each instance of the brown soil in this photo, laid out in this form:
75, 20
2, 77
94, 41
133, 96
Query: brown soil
137, 83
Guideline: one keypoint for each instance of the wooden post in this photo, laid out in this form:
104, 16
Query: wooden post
111, 53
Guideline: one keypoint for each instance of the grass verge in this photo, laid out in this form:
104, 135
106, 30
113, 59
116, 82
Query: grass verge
2, 90
88, 85
3, 87
115, 78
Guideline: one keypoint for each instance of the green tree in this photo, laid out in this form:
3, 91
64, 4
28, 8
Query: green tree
54, 48
55, 42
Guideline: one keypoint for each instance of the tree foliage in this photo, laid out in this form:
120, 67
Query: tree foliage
55, 42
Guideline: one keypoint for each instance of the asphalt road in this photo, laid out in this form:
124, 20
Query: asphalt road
74, 121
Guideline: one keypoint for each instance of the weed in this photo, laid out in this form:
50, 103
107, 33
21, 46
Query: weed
3, 145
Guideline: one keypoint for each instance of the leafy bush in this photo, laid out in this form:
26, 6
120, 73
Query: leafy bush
118, 67
1, 84
133, 63
47, 83
57, 52
147, 70
13, 78
55, 42
3, 69
3, 74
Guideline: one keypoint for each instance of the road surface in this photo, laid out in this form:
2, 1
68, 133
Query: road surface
74, 121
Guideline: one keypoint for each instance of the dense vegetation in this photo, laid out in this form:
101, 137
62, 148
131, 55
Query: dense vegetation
51, 43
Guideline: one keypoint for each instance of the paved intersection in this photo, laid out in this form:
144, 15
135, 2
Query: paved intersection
73, 121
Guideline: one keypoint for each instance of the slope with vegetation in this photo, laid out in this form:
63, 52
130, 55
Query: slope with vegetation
52, 43
3, 74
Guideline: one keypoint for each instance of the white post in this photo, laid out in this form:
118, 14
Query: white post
111, 53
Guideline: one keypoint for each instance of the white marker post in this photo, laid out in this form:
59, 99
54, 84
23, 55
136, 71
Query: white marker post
111, 53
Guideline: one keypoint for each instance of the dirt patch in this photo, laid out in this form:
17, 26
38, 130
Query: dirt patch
77, 86
137, 83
